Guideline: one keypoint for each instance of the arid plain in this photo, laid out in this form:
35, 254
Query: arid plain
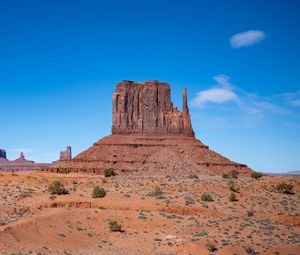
171, 219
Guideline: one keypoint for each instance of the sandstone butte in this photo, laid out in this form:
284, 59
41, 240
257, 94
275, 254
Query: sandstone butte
149, 136
19, 164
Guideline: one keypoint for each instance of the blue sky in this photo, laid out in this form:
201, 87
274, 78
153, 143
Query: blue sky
240, 61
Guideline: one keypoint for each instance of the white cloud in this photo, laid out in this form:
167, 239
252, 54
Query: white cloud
223, 81
240, 107
247, 38
292, 98
220, 94
217, 95
296, 102
270, 107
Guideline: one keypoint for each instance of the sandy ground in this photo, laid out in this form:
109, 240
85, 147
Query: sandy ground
177, 222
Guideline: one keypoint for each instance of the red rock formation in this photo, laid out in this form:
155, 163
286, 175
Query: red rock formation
20, 164
146, 108
149, 136
2, 153
67, 154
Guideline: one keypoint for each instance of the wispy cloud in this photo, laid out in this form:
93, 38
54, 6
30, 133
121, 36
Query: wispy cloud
221, 93
246, 107
293, 98
247, 38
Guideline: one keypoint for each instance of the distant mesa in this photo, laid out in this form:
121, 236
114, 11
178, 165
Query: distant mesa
19, 164
149, 136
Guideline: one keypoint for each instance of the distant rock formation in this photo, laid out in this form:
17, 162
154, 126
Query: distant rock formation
2, 153
146, 108
20, 164
67, 154
149, 136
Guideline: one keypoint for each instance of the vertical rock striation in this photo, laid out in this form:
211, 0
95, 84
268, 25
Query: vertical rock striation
146, 108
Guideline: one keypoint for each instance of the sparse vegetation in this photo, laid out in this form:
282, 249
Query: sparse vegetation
211, 247
256, 175
114, 226
98, 192
250, 213
232, 197
157, 192
285, 188
207, 197
250, 251
232, 185
232, 174
108, 172
56, 188
193, 176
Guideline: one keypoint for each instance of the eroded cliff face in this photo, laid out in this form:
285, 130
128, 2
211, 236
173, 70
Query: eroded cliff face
146, 108
149, 136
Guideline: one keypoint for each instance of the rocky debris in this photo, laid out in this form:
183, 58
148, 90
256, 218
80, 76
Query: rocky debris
146, 108
67, 154
149, 136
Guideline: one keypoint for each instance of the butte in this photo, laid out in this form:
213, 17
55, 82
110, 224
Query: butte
149, 136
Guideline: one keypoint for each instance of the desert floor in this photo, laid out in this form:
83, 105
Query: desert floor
262, 221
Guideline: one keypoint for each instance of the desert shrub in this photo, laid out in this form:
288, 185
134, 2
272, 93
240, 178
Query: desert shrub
232, 197
98, 192
57, 188
250, 213
108, 172
233, 174
157, 192
193, 176
285, 188
189, 200
207, 197
250, 251
256, 175
211, 247
232, 185
114, 226
225, 176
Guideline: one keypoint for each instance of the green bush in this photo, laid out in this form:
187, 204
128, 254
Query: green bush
98, 192
108, 172
57, 188
157, 192
256, 175
211, 247
232, 174
193, 176
232, 197
114, 226
285, 188
250, 251
207, 197
232, 185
